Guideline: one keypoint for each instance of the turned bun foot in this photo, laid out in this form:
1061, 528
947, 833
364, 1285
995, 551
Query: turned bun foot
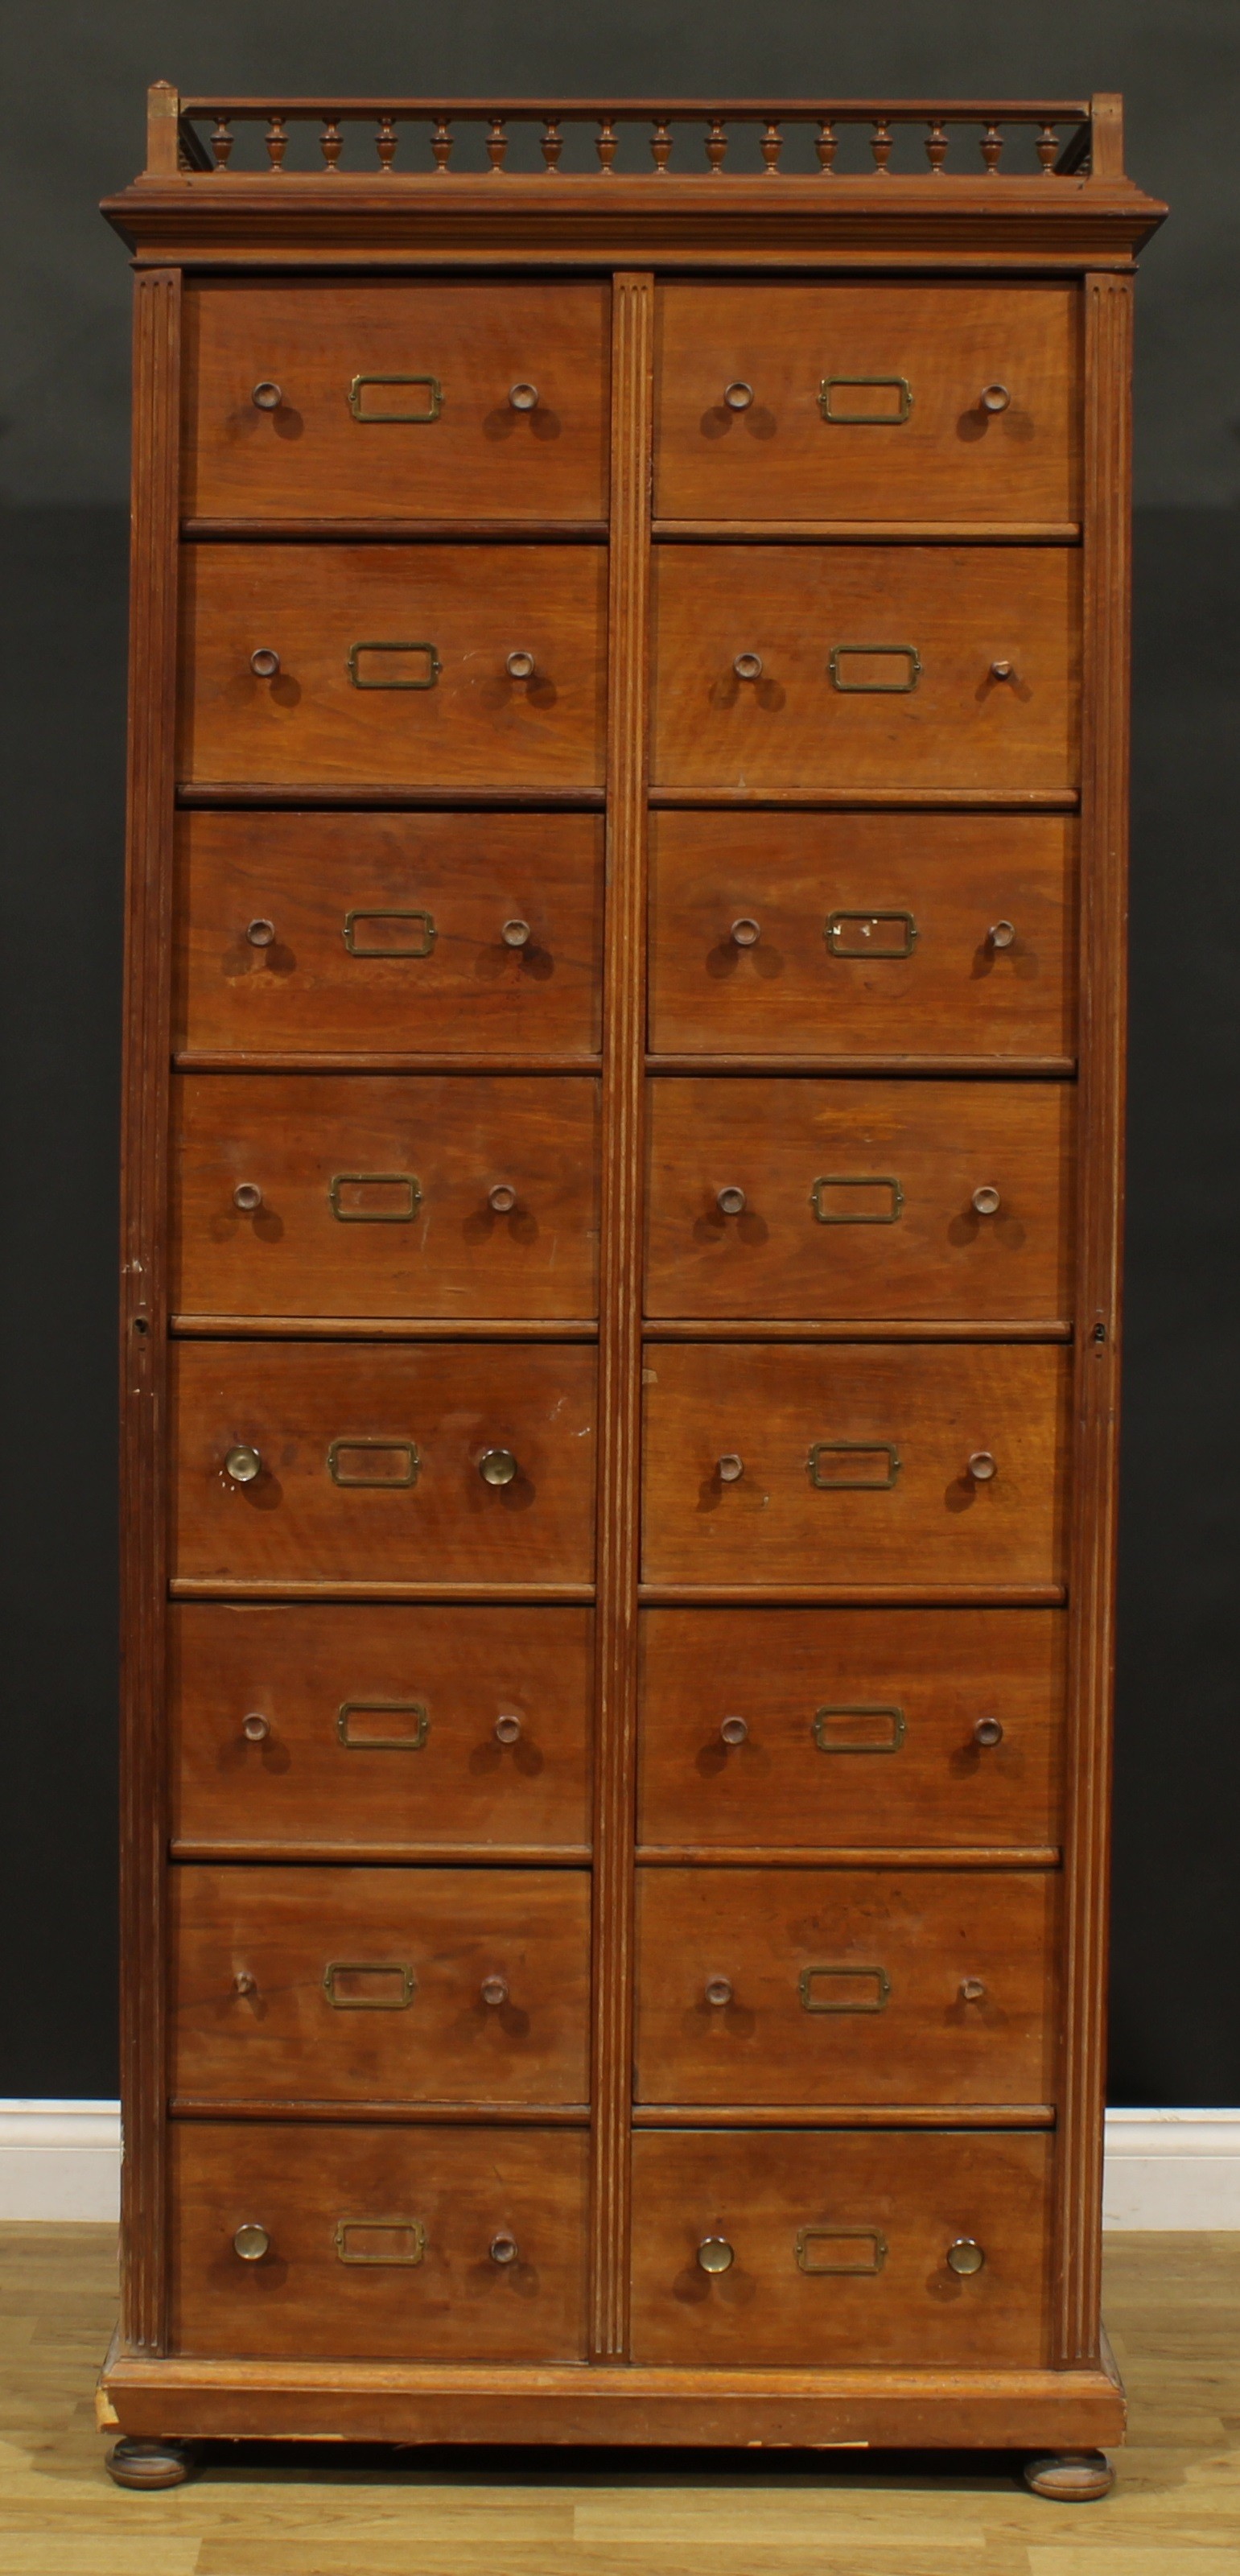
148, 2464
1072, 2477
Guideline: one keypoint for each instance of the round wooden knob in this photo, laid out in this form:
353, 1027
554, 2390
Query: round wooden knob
1001, 670
972, 1990
497, 1467
494, 1990
995, 397
730, 1202
247, 1196
244, 1983
734, 1730
748, 666
507, 1727
243, 1464
515, 934
986, 1200
503, 1198
266, 396
264, 663
523, 397
715, 2254
746, 932
260, 933
987, 1731
1001, 934
251, 2242
503, 2248
520, 666
256, 1728
965, 2256
719, 1990
982, 1466
738, 397
730, 1468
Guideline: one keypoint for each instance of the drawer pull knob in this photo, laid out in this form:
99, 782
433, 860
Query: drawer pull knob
251, 2242
264, 663
715, 2254
982, 1466
523, 397
1002, 670
520, 666
719, 1991
502, 1199
746, 932
256, 1728
739, 396
995, 397
260, 933
748, 666
497, 1467
826, 2251
735, 1730
885, 1732
965, 2256
245, 1982
986, 1200
504, 2248
247, 1196
1001, 934
494, 1991
730, 1201
507, 1727
515, 934
972, 1990
267, 395
243, 1464
730, 1468
988, 1730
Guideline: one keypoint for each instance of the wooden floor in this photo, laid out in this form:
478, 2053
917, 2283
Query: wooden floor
1173, 2306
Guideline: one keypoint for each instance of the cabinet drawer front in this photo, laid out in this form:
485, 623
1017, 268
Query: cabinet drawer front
878, 667
846, 1986
867, 402
371, 1464
855, 1464
863, 935
851, 1727
379, 1985
379, 2242
393, 400
387, 1194
392, 666
889, 1199
340, 934
839, 2245
385, 1728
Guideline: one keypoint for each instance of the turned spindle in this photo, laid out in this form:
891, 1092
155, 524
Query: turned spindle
826, 145
277, 143
936, 146
552, 143
716, 145
772, 146
385, 144
607, 144
441, 146
222, 142
661, 147
497, 143
880, 146
331, 140
991, 147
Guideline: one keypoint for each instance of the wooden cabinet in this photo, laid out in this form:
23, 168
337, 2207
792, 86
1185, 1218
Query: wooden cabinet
620, 1275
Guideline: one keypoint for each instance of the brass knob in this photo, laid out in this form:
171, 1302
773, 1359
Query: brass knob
730, 1202
515, 933
503, 2248
982, 1466
266, 395
1001, 670
986, 1200
247, 1196
748, 666
746, 932
251, 2242
719, 1990
494, 1990
734, 1730
264, 664
715, 2254
520, 666
256, 1728
738, 397
972, 1990
730, 1468
245, 1983
260, 933
243, 1464
502, 1199
965, 2256
995, 397
988, 1730
497, 1466
507, 1727
523, 397
1001, 934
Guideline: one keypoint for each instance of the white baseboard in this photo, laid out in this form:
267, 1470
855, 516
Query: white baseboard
1164, 2169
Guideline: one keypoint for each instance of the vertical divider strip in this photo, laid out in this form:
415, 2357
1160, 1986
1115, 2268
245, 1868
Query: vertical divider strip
620, 1305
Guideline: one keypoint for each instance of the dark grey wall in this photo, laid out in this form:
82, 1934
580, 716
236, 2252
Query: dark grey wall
73, 129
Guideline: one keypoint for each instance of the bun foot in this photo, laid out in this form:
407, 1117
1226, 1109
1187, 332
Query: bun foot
148, 2464
1073, 2477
